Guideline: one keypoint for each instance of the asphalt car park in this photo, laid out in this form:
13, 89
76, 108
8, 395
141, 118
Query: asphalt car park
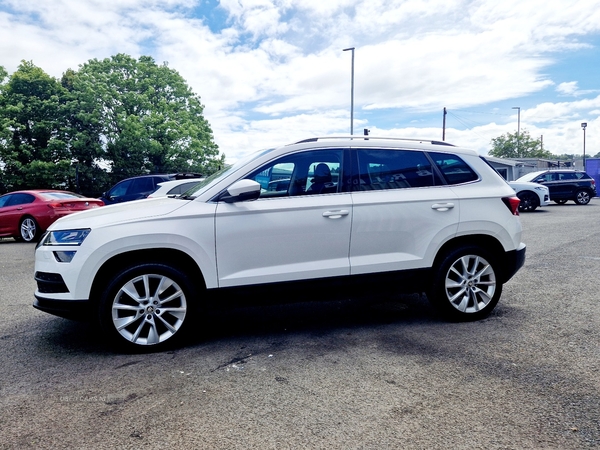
384, 372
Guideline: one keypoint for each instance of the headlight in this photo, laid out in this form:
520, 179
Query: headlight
65, 237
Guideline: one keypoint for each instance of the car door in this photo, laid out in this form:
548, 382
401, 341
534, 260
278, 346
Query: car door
402, 210
15, 207
550, 179
118, 192
567, 182
292, 231
5, 224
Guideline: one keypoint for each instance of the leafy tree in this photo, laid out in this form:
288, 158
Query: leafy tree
139, 117
33, 149
111, 119
518, 145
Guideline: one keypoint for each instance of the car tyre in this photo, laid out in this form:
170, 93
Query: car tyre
529, 201
562, 201
582, 197
29, 229
147, 307
466, 284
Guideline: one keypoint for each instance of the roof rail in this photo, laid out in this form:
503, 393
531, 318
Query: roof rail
371, 138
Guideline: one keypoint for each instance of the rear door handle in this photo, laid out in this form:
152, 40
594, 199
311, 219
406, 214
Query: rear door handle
336, 214
442, 206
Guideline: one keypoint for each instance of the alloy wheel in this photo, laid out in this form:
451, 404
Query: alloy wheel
149, 309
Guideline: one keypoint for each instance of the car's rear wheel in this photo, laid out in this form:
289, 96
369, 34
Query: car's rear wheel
29, 229
147, 306
562, 201
582, 197
466, 284
529, 201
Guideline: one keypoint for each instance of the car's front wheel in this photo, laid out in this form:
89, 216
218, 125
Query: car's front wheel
529, 201
582, 197
146, 306
466, 284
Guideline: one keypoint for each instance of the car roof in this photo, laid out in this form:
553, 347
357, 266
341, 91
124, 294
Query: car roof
38, 191
178, 182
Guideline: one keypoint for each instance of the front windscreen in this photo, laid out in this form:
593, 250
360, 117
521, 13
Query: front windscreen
217, 176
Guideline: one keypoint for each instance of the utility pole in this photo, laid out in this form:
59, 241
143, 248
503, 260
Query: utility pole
351, 92
518, 108
584, 126
444, 125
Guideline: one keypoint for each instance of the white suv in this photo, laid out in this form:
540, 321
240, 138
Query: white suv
336, 211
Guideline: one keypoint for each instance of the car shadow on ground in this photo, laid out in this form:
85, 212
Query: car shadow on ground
312, 317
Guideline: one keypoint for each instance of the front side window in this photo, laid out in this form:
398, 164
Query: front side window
120, 189
4, 200
546, 177
393, 169
20, 199
306, 173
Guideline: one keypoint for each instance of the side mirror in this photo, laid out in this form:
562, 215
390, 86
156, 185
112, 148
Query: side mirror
241, 191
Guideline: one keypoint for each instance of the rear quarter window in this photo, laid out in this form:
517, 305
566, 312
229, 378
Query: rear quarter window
454, 169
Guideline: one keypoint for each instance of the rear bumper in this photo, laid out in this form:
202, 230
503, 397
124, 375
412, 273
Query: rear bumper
514, 260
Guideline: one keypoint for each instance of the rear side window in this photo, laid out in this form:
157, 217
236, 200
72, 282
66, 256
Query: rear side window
393, 169
454, 169
141, 185
182, 188
568, 176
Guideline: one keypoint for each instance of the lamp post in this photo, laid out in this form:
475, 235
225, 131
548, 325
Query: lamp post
518, 108
351, 93
584, 126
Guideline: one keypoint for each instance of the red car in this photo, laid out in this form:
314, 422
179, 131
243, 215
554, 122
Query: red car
26, 214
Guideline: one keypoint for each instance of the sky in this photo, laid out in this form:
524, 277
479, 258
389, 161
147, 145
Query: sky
272, 72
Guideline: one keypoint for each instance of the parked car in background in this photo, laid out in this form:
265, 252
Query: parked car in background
565, 185
532, 195
136, 188
175, 187
343, 213
24, 215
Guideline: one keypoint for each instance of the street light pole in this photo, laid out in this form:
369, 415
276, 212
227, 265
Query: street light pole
351, 93
584, 126
518, 108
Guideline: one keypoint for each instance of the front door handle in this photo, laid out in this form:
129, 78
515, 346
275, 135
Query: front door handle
442, 206
336, 214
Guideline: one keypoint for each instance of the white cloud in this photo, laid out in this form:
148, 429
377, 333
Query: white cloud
274, 71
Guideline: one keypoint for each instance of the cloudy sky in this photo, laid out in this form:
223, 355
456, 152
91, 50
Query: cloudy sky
270, 72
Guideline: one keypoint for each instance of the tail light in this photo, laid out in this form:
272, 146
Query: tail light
512, 203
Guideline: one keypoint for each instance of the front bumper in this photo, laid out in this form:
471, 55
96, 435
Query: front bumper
69, 309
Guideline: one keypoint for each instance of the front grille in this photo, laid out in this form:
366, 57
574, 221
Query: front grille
50, 283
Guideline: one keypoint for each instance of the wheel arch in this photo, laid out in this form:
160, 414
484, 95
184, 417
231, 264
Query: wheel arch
486, 242
172, 257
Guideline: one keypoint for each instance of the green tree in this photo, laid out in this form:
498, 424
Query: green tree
518, 145
33, 147
139, 117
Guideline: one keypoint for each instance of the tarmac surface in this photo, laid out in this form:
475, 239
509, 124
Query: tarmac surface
335, 375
